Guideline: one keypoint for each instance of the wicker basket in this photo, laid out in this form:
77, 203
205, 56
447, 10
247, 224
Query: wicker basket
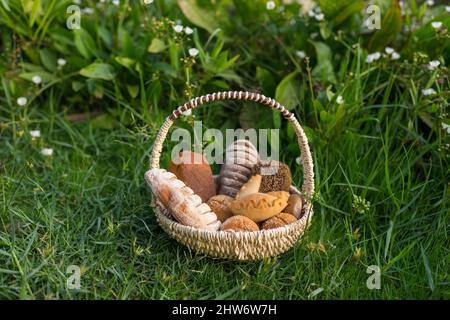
238, 245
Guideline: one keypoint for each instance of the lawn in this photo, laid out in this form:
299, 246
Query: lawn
80, 109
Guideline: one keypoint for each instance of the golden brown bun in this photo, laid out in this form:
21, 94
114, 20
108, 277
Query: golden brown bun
258, 206
239, 223
278, 221
193, 169
220, 205
280, 194
295, 206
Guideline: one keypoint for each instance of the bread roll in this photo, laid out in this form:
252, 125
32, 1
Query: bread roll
184, 205
239, 223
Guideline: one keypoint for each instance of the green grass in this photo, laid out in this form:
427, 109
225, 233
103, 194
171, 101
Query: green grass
88, 206
381, 158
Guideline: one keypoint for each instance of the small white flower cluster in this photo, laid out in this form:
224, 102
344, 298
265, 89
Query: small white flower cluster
436, 25
433, 65
36, 79
36, 134
147, 2
339, 100
389, 52
179, 28
373, 57
447, 8
428, 91
430, 3
193, 52
316, 13
446, 127
301, 54
394, 55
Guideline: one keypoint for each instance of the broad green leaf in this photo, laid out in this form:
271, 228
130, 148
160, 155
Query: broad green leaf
200, 17
287, 91
84, 43
105, 35
255, 116
324, 68
157, 45
102, 71
48, 59
126, 62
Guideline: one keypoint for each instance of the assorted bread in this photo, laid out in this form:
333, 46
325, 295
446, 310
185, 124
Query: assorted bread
252, 193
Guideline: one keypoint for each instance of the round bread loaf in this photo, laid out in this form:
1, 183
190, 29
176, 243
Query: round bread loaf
220, 205
239, 223
278, 221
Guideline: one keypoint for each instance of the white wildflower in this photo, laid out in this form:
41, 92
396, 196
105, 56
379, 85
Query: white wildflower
36, 79
61, 62
373, 57
22, 101
430, 3
188, 30
447, 8
48, 152
389, 50
429, 91
311, 13
319, 16
446, 127
301, 54
436, 24
193, 52
395, 56
77, 1
433, 64
35, 133
270, 5
298, 160
187, 112
178, 28
116, 2
339, 100
148, 1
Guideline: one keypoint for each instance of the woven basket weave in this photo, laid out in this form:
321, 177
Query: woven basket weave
238, 245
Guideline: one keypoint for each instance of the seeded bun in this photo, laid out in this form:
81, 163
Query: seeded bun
239, 223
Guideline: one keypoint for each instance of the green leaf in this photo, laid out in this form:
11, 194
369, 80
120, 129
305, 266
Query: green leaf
265, 80
84, 43
200, 17
35, 9
48, 59
324, 68
6, 4
133, 91
105, 35
126, 62
102, 71
287, 91
157, 45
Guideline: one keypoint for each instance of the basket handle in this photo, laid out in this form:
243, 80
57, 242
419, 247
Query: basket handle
307, 162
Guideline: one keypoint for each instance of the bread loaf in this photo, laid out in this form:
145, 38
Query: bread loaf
181, 201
